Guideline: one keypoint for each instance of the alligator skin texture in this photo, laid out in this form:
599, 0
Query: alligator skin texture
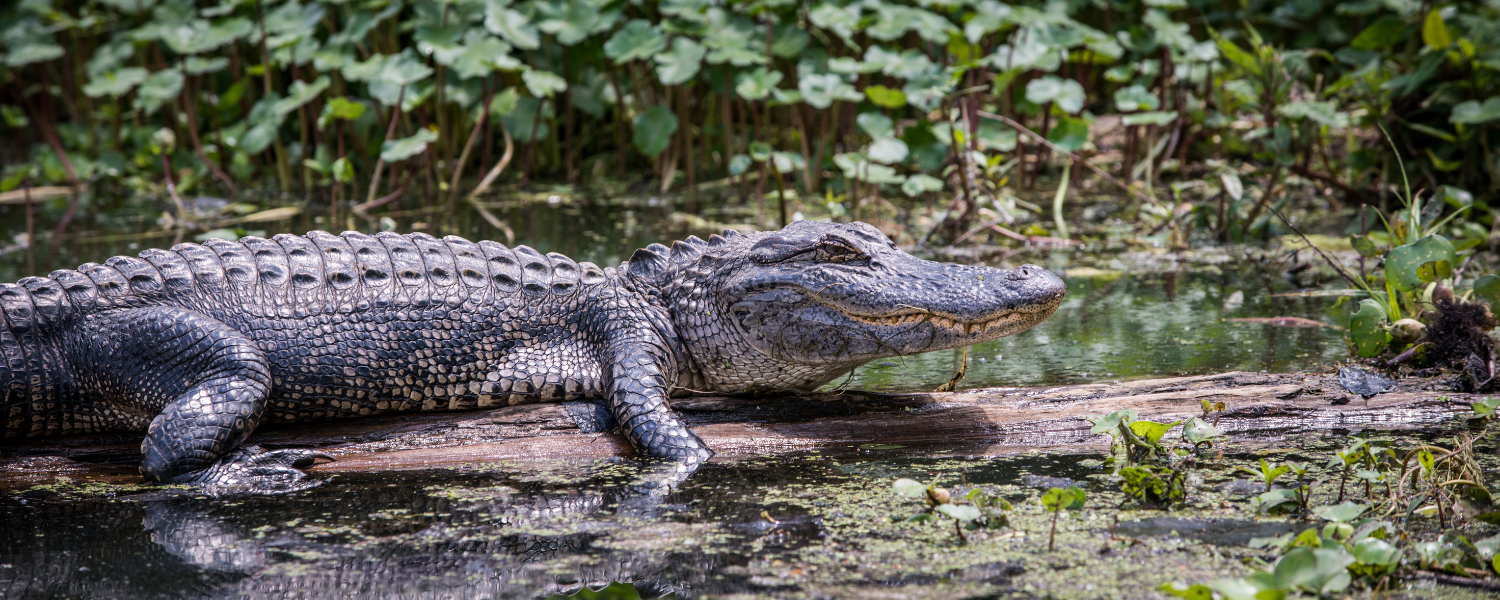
198, 345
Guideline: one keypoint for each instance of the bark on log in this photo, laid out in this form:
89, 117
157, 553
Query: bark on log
1261, 410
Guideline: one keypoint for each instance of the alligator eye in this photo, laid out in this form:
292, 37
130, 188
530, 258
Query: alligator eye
837, 252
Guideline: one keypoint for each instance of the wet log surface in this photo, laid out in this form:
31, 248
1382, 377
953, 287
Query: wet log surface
1261, 409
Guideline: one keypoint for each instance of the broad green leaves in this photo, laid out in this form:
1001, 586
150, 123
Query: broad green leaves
1070, 134
1059, 499
637, 40
158, 89
758, 84
511, 25
1472, 112
115, 83
543, 84
1402, 263
1134, 98
402, 149
301, 93
572, 21
820, 91
1065, 93
679, 65
1366, 329
653, 130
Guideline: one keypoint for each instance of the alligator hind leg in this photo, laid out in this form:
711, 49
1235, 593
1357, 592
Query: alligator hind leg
207, 385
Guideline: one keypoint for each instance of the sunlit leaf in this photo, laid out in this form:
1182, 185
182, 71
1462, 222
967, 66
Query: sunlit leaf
1150, 118
1402, 263
875, 125
1471, 112
1435, 31
1060, 499
573, 20
1323, 113
887, 150
843, 21
343, 108
301, 93
653, 130
885, 97
1231, 182
908, 488
757, 84
637, 40
115, 84
158, 89
1341, 513
1366, 329
196, 65
681, 64
919, 183
959, 512
1065, 93
820, 91
511, 25
543, 84
1135, 98
402, 149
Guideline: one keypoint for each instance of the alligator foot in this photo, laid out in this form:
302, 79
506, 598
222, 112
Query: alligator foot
253, 470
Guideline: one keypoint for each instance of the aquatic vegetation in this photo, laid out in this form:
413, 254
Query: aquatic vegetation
1057, 500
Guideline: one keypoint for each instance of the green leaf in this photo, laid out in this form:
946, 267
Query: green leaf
1237, 55
740, 164
1402, 263
1366, 329
887, 150
653, 130
115, 84
1434, 271
33, 53
1135, 97
1232, 186
1059, 499
398, 150
1150, 118
1108, 424
758, 84
1471, 112
875, 125
543, 84
1364, 246
573, 20
1198, 431
158, 89
197, 65
511, 25
963, 513
404, 69
1195, 592
482, 55
885, 97
1069, 134
1435, 31
343, 170
681, 64
1375, 551
342, 109
1066, 94
1341, 513
1487, 289
1323, 113
1152, 431
789, 41
917, 184
1380, 35
843, 21
908, 488
820, 91
301, 93
637, 40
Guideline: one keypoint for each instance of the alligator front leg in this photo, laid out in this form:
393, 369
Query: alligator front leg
638, 370
207, 385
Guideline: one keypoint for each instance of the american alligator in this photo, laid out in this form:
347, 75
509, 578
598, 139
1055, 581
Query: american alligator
198, 345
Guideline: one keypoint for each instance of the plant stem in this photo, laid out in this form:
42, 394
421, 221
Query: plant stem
390, 131
1052, 534
1057, 201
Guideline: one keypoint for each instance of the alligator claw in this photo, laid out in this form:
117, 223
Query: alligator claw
253, 470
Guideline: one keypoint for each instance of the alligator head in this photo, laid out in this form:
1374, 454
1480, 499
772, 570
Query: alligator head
796, 308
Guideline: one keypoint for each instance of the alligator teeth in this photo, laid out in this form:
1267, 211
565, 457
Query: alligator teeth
961, 327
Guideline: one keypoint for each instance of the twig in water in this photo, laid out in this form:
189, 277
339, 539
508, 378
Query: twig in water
510, 150
1326, 258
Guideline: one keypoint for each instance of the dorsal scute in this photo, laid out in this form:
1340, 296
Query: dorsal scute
19, 312
174, 270
79, 288
565, 274
468, 258
271, 265
207, 269
406, 259
107, 281
371, 260
590, 274
338, 260
438, 260
235, 259
504, 268
140, 275
650, 262
305, 260
536, 271
47, 296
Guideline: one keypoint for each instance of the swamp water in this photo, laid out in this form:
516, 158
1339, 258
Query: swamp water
800, 524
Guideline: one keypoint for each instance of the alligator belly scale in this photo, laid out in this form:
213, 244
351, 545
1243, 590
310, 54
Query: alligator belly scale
198, 345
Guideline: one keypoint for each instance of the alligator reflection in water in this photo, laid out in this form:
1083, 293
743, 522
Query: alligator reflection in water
478, 533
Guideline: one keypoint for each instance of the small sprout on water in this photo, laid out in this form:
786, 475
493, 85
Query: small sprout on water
1057, 500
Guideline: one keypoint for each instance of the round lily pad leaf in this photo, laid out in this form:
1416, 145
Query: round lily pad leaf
402, 149
637, 40
1402, 263
960, 512
876, 125
888, 150
1065, 93
1366, 329
757, 84
908, 488
653, 130
1437, 270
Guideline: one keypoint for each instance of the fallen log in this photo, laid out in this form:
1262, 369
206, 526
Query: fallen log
1260, 409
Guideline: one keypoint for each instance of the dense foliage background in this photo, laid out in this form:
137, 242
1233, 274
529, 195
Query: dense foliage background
1213, 110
